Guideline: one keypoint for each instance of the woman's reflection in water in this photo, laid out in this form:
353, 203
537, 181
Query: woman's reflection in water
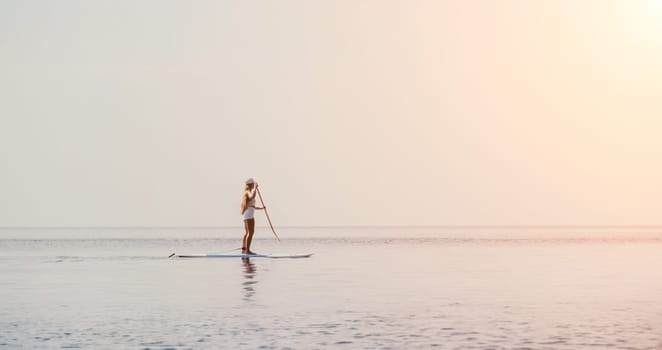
249, 279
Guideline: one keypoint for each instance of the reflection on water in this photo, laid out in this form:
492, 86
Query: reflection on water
359, 293
249, 278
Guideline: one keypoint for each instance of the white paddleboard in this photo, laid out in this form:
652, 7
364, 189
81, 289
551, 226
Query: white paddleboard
235, 255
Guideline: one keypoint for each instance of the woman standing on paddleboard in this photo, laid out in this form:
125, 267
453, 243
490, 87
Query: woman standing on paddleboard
248, 211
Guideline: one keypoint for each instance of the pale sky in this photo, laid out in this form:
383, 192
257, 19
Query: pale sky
153, 113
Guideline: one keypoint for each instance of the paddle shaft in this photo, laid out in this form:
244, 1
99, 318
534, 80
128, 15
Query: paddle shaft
267, 214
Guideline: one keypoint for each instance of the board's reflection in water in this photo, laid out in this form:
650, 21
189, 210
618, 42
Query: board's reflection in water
249, 278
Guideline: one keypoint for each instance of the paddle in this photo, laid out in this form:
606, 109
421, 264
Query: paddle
267, 213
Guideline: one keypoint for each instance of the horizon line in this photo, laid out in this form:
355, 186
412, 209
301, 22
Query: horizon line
528, 226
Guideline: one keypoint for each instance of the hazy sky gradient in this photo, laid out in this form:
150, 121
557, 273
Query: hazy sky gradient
125, 113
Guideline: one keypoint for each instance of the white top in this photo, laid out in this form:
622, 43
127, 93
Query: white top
250, 208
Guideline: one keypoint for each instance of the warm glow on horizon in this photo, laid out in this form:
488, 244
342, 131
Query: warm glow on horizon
369, 113
645, 19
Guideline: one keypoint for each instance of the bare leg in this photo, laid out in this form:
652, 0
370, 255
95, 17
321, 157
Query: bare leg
244, 242
249, 227
251, 230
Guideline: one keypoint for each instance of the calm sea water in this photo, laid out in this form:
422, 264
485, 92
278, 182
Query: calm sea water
365, 288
